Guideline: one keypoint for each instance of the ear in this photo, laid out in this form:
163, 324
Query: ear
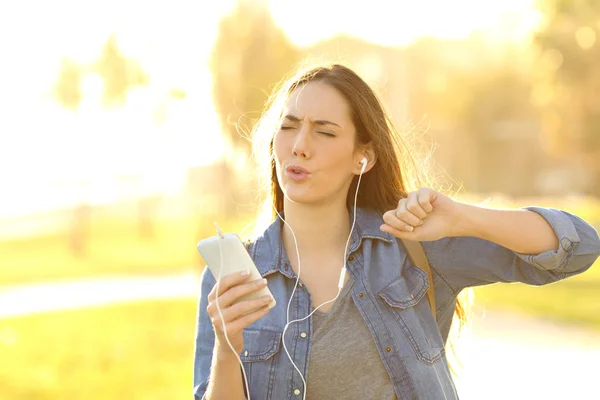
371, 159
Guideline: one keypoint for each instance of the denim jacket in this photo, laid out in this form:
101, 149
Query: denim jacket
389, 292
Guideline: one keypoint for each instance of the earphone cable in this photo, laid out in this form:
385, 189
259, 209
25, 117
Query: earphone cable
340, 283
219, 238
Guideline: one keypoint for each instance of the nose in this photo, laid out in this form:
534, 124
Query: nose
302, 143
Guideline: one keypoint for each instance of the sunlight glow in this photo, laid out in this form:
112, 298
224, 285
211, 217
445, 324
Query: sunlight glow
51, 156
398, 23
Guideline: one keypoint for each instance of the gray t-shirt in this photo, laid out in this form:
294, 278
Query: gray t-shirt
344, 363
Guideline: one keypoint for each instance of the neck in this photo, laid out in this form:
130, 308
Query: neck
320, 230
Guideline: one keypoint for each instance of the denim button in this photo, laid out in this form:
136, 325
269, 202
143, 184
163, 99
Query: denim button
566, 244
297, 392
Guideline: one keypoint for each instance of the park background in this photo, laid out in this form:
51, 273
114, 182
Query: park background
122, 140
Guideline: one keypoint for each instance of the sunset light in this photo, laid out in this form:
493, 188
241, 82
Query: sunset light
154, 135
125, 140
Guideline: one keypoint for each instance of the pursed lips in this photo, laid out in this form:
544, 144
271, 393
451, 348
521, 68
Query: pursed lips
297, 169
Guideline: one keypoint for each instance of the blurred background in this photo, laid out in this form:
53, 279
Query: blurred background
121, 141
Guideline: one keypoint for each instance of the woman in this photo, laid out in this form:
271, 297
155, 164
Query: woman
379, 338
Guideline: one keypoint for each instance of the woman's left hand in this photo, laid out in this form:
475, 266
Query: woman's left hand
424, 215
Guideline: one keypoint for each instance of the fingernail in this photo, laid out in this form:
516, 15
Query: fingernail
409, 228
245, 273
267, 298
264, 281
420, 223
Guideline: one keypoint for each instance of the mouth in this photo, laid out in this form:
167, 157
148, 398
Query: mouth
297, 172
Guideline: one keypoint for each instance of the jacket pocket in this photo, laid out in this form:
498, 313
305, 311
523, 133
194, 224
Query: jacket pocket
406, 301
260, 354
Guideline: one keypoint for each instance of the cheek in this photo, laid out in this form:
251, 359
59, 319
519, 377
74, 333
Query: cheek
279, 144
337, 162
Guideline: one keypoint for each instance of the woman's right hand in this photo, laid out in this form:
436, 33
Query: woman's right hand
236, 316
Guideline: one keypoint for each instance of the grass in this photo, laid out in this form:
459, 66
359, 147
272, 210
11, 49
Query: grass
128, 351
575, 300
144, 350
114, 247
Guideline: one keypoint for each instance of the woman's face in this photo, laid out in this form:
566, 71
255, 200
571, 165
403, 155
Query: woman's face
314, 148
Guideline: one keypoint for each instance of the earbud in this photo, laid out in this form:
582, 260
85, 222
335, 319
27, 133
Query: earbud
364, 162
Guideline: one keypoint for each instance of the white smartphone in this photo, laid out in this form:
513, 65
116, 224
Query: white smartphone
235, 259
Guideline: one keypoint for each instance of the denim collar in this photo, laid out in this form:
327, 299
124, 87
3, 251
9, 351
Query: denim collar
270, 257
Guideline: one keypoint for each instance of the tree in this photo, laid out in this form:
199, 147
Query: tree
119, 73
472, 96
68, 85
568, 80
501, 124
249, 57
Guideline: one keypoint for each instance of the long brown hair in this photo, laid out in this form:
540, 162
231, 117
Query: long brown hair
394, 175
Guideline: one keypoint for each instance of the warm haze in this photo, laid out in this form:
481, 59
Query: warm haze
73, 156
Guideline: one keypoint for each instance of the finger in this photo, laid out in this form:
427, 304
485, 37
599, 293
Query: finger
393, 221
243, 308
403, 214
233, 294
413, 204
239, 324
227, 282
217, 320
401, 207
402, 234
425, 198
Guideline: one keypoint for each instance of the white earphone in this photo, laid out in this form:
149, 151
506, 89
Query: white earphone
364, 161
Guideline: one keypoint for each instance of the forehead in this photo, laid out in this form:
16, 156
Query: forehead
319, 101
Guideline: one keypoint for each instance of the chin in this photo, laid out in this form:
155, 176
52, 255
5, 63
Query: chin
307, 196
299, 195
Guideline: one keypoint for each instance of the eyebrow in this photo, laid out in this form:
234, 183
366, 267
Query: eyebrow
293, 118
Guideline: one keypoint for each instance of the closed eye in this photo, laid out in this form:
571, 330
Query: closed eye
287, 128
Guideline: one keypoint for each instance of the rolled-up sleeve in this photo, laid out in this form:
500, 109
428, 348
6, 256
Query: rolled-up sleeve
470, 261
567, 228
205, 338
